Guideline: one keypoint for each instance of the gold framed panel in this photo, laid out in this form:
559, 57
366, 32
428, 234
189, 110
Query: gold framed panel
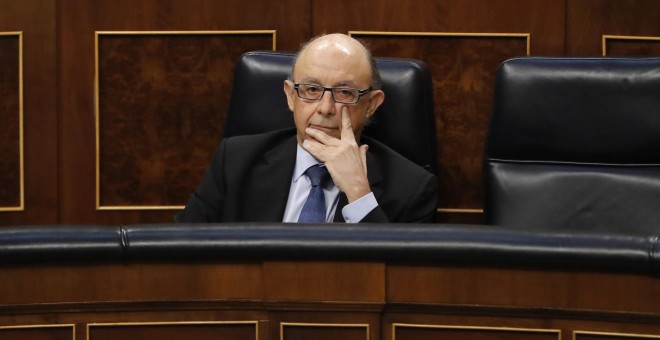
28, 327
175, 323
607, 37
97, 99
475, 328
320, 325
526, 36
21, 141
576, 334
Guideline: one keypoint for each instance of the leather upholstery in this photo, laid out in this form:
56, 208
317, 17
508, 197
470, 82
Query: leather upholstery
574, 144
405, 122
61, 243
451, 245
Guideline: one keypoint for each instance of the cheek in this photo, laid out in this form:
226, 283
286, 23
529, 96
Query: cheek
357, 118
301, 115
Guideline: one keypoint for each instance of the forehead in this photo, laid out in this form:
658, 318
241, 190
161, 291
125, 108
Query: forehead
334, 63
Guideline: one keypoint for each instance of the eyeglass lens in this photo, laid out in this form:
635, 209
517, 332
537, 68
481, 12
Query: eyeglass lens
339, 94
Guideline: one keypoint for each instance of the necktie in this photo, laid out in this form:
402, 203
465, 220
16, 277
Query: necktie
314, 208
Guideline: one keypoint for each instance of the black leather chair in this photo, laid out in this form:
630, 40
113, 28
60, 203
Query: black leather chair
574, 143
405, 122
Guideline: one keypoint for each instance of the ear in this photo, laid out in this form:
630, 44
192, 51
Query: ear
377, 98
290, 93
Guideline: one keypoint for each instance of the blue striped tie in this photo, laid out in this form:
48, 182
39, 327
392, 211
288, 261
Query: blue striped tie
314, 209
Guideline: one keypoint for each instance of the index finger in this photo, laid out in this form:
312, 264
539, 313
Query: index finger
346, 126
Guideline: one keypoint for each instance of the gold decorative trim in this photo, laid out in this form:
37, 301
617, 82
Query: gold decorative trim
624, 37
527, 36
174, 323
97, 34
339, 325
21, 141
628, 335
479, 328
73, 327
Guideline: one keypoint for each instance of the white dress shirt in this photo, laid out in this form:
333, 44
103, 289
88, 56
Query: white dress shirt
301, 185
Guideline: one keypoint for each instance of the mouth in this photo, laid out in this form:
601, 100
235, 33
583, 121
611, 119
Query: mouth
325, 129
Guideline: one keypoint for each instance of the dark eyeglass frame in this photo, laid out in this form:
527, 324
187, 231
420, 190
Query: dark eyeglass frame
360, 92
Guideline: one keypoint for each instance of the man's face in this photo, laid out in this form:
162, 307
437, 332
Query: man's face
330, 64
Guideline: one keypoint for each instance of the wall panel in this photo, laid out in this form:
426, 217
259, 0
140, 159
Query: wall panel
244, 330
161, 100
156, 175
302, 331
630, 46
588, 20
36, 199
11, 120
38, 332
581, 335
423, 332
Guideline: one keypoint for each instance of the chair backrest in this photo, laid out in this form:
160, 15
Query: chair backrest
405, 122
574, 143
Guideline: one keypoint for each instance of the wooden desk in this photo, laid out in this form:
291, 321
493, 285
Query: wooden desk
323, 299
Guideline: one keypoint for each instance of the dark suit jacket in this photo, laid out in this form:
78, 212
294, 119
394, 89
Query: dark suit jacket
250, 176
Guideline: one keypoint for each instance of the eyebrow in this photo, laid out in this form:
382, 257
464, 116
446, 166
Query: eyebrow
344, 83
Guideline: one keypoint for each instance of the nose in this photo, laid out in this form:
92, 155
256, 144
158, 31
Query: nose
326, 106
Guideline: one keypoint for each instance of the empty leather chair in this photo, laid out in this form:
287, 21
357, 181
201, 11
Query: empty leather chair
405, 122
574, 143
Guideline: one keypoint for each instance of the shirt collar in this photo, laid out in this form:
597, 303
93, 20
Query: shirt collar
304, 160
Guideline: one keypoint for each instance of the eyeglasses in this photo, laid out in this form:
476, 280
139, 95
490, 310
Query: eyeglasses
343, 95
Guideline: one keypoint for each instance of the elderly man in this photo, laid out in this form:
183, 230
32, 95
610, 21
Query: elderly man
317, 172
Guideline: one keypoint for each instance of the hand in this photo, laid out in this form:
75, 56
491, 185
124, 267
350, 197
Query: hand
345, 160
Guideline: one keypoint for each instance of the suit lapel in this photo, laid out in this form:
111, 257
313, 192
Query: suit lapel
272, 181
339, 218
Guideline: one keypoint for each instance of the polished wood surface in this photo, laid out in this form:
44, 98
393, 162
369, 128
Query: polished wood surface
463, 67
79, 22
323, 299
162, 100
36, 19
588, 20
146, 172
10, 116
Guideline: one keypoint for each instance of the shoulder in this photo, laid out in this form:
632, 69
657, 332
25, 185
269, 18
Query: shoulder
388, 160
238, 150
259, 143
267, 138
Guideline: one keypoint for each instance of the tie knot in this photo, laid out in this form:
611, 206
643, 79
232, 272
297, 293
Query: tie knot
317, 174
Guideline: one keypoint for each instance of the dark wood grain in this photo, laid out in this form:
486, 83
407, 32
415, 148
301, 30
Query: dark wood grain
162, 108
10, 115
463, 69
632, 47
36, 19
80, 20
36, 332
409, 300
174, 331
588, 20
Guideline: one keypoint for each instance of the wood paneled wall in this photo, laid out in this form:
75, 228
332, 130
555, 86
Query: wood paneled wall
110, 109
